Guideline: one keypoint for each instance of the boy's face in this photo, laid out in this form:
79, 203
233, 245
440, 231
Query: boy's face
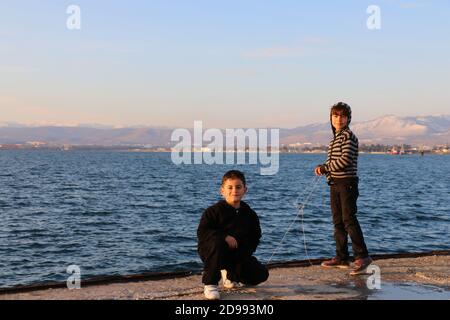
339, 120
233, 190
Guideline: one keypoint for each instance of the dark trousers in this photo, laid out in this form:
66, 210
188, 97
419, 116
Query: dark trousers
240, 267
343, 208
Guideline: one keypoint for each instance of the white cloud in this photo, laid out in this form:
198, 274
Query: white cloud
294, 50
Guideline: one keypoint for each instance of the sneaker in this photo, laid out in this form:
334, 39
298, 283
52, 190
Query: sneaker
227, 283
360, 266
211, 292
336, 263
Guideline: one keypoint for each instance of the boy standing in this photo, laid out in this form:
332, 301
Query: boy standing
341, 172
228, 235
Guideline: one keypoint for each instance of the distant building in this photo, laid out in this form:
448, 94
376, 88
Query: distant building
36, 144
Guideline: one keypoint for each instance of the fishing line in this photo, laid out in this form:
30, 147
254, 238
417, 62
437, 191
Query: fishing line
300, 211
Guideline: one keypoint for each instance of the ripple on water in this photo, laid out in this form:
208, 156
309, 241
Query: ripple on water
122, 213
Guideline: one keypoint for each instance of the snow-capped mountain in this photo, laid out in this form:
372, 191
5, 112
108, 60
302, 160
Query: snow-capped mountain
384, 130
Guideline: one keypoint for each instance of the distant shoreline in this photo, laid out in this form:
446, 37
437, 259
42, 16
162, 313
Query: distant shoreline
119, 149
297, 148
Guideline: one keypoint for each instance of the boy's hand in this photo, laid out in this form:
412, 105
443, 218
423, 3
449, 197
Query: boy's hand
317, 171
232, 242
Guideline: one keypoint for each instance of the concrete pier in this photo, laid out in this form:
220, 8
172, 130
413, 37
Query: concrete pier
403, 276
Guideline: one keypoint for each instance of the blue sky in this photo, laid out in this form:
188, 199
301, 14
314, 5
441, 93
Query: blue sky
227, 63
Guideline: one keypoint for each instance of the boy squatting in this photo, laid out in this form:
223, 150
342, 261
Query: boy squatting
228, 235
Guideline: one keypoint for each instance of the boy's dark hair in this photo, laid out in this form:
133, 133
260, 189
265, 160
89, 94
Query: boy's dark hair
234, 174
342, 107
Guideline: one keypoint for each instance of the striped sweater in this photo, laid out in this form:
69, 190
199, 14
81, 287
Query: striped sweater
342, 160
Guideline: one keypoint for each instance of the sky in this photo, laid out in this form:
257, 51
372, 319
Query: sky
230, 64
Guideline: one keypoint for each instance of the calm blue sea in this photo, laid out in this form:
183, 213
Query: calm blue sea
115, 213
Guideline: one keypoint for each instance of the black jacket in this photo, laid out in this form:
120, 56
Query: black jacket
221, 220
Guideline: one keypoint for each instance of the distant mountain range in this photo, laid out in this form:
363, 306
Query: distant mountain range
383, 130
428, 130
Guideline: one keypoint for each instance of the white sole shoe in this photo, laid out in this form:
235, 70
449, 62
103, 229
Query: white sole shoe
211, 292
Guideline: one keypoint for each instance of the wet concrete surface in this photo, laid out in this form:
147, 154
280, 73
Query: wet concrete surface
409, 291
404, 278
